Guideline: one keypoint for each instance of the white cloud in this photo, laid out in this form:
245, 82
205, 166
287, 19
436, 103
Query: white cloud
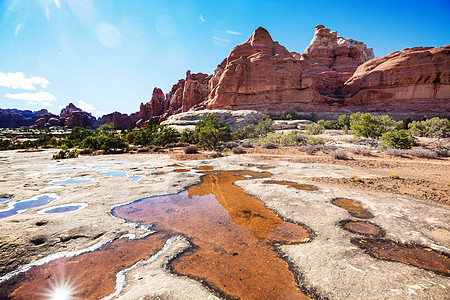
36, 97
19, 80
221, 39
233, 32
85, 106
99, 113
201, 18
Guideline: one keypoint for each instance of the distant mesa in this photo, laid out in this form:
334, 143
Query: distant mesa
334, 75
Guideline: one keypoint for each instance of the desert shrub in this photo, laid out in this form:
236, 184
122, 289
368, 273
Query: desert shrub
165, 135
394, 152
111, 143
397, 139
210, 131
188, 136
190, 149
424, 153
310, 149
361, 151
239, 150
344, 122
355, 178
244, 132
262, 128
5, 144
289, 115
269, 145
338, 154
65, 153
329, 124
315, 141
315, 129
367, 125
91, 142
393, 176
433, 128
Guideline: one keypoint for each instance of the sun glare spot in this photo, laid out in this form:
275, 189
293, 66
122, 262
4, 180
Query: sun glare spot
62, 290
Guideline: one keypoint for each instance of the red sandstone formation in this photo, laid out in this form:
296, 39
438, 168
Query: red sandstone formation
120, 121
71, 116
412, 81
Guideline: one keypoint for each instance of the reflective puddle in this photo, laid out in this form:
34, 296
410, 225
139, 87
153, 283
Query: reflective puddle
362, 227
114, 173
63, 208
233, 237
72, 181
121, 174
4, 198
21, 206
354, 208
204, 168
296, 185
415, 255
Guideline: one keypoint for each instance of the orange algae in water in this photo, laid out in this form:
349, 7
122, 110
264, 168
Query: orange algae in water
415, 255
296, 185
354, 208
230, 231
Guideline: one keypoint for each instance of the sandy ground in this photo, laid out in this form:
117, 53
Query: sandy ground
330, 264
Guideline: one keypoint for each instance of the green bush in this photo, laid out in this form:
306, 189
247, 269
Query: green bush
188, 136
109, 143
315, 129
263, 128
210, 131
433, 128
367, 125
64, 153
165, 135
397, 139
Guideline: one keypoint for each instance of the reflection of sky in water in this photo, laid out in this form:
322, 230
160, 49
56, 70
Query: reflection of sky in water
135, 178
63, 208
4, 198
121, 174
72, 180
114, 173
18, 207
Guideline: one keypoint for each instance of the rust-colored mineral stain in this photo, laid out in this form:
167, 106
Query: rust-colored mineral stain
158, 173
179, 166
354, 208
362, 227
181, 170
296, 185
91, 275
415, 255
233, 236
204, 168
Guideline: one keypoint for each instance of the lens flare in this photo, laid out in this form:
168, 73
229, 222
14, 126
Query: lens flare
63, 289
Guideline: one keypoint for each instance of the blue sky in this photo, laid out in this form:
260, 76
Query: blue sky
108, 55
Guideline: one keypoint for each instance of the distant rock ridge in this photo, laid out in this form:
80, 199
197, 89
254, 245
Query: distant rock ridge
334, 75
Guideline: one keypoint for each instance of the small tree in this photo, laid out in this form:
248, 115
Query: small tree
397, 139
367, 125
263, 128
433, 128
210, 131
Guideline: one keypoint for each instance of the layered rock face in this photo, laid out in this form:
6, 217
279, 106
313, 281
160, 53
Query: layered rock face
10, 118
331, 60
415, 80
258, 73
70, 116
120, 121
